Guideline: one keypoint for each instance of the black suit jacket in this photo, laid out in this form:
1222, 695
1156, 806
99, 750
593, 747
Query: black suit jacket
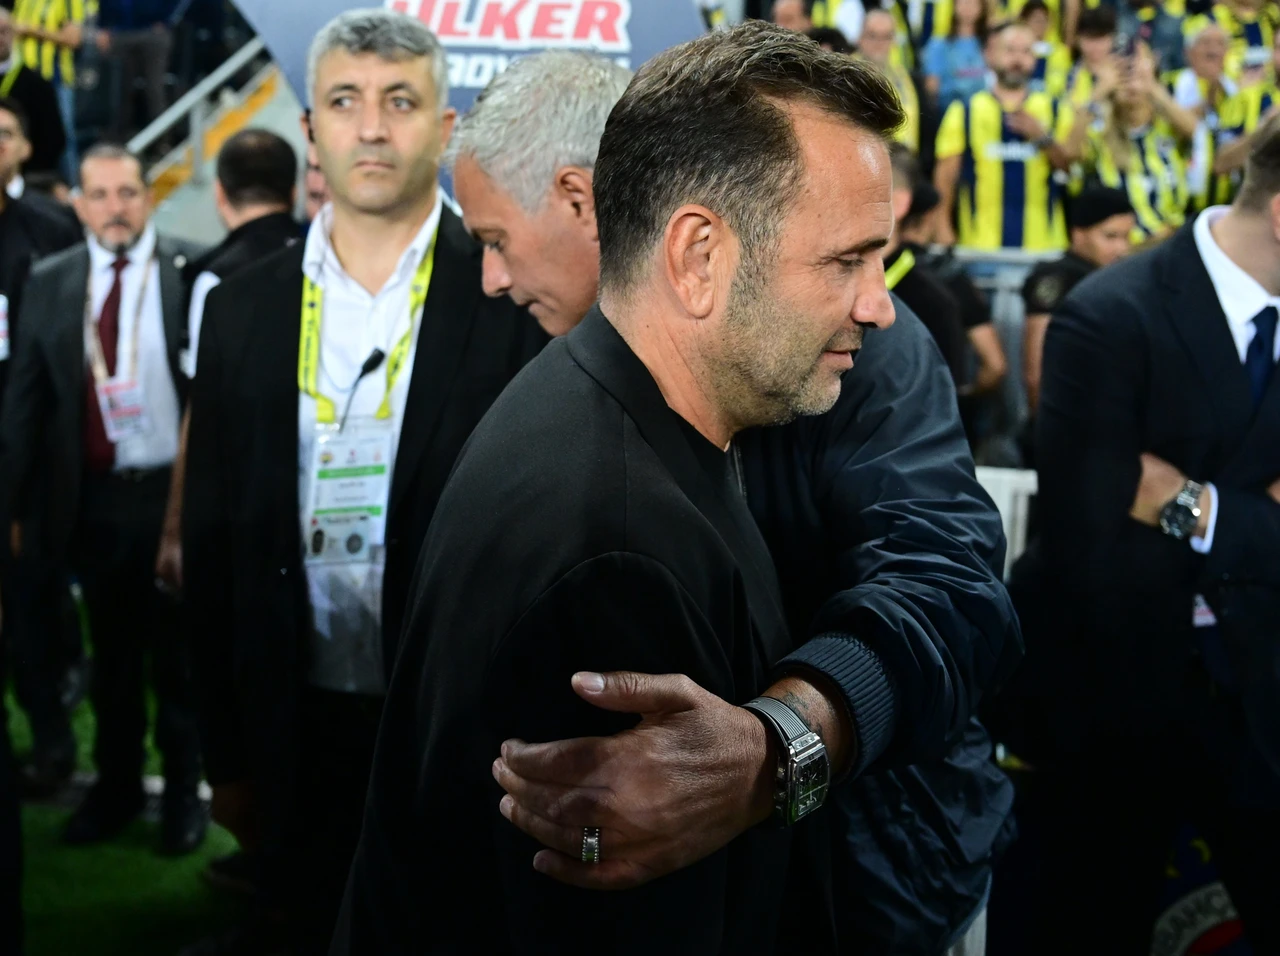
585, 527
1139, 358
245, 584
42, 423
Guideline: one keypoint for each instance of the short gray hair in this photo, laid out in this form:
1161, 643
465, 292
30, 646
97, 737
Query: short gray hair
544, 112
390, 36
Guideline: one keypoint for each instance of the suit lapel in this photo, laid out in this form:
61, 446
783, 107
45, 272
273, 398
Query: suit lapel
1256, 461
171, 297
448, 318
1196, 315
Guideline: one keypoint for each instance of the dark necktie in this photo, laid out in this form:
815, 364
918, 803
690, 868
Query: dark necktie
1260, 360
99, 452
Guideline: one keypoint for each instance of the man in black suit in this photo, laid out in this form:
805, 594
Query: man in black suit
33, 590
931, 613
91, 417
597, 521
1151, 601
255, 191
295, 600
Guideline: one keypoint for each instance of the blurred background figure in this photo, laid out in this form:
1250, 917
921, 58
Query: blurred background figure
46, 133
954, 66
50, 33
1102, 221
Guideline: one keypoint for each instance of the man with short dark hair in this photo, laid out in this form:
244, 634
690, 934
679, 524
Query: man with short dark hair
92, 411
523, 170
371, 348
254, 191
739, 263
1150, 697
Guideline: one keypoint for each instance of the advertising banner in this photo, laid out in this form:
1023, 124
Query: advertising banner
483, 36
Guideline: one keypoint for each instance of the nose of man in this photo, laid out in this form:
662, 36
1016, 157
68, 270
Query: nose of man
494, 276
873, 306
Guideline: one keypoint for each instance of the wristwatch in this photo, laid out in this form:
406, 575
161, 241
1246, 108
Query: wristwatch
804, 771
1179, 517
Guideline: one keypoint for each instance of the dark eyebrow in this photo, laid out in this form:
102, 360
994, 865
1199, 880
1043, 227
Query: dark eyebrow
871, 245
343, 88
400, 87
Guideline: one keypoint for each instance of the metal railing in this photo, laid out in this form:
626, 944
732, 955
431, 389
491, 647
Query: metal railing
195, 107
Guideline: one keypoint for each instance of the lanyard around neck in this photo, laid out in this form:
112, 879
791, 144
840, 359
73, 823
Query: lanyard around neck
309, 340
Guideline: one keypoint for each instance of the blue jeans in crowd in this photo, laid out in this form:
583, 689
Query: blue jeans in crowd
67, 110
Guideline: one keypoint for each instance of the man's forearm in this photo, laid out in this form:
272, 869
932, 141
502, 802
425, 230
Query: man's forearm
173, 511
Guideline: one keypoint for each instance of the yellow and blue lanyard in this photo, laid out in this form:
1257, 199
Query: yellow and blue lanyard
309, 341
898, 271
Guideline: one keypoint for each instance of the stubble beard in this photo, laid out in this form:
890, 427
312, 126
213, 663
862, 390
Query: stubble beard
765, 376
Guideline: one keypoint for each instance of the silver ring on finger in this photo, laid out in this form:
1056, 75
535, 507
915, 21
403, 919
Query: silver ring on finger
590, 844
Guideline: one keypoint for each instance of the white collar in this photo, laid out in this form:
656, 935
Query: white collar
1239, 293
100, 257
17, 186
318, 254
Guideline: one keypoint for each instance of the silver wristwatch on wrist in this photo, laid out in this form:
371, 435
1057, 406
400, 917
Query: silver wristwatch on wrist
1179, 517
804, 771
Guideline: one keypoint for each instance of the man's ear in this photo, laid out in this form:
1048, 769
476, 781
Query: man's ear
573, 185
448, 120
695, 253
307, 129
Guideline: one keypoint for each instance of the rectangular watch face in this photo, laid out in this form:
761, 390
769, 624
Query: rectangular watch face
809, 785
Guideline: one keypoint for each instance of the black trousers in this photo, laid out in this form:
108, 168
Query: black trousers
1086, 873
338, 734
130, 622
10, 843
43, 640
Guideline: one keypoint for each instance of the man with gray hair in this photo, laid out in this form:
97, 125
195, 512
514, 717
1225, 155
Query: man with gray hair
894, 812
338, 380
529, 145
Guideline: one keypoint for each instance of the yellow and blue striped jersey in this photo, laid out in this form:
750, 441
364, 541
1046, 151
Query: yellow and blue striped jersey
1053, 65
1239, 116
1007, 196
1154, 176
927, 19
44, 56
1079, 85
909, 132
1251, 34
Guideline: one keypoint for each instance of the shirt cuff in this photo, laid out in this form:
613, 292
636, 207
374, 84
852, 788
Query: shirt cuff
1205, 545
859, 673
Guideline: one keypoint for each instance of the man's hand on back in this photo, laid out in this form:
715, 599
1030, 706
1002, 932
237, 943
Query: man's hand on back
695, 773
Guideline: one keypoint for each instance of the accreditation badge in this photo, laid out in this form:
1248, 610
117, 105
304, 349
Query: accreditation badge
350, 474
4, 328
124, 410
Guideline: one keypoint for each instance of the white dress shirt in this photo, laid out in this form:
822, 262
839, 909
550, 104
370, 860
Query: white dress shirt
1241, 298
17, 185
144, 321
347, 598
205, 283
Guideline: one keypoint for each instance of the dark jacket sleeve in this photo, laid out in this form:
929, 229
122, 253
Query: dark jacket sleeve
921, 626
208, 558
1089, 444
28, 399
1246, 540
